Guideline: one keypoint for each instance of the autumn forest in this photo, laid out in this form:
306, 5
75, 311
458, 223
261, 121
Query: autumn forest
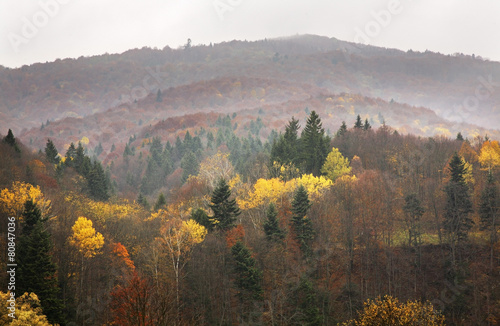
231, 200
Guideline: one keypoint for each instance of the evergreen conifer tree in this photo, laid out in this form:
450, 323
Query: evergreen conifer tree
98, 183
160, 202
225, 210
300, 223
248, 275
342, 130
457, 222
489, 208
359, 123
51, 152
314, 145
271, 226
36, 271
367, 125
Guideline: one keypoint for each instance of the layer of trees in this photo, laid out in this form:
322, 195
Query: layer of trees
299, 229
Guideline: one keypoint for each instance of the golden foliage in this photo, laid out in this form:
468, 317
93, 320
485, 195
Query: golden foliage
489, 156
389, 311
12, 200
102, 211
85, 238
28, 311
266, 191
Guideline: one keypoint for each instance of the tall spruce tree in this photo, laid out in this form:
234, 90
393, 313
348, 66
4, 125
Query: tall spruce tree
11, 140
367, 125
160, 202
97, 182
225, 210
51, 152
458, 207
314, 145
342, 130
36, 272
248, 276
300, 223
190, 166
359, 123
489, 207
307, 304
70, 155
271, 226
285, 148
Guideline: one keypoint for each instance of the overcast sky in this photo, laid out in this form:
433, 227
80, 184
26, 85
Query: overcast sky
44, 30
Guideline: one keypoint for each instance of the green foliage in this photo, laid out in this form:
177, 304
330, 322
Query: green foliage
98, 183
36, 271
457, 222
285, 148
201, 217
248, 276
314, 145
11, 141
367, 125
190, 166
342, 130
70, 155
300, 223
225, 210
489, 207
160, 202
51, 152
307, 303
359, 123
271, 226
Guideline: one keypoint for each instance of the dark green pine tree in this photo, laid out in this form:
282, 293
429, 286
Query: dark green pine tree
286, 146
367, 125
36, 271
97, 183
342, 130
248, 276
358, 124
314, 145
457, 222
300, 223
160, 202
51, 152
70, 155
141, 200
271, 226
460, 137
11, 140
190, 166
78, 161
307, 304
201, 217
225, 210
489, 208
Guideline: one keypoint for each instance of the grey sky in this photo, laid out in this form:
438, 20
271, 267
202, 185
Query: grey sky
44, 30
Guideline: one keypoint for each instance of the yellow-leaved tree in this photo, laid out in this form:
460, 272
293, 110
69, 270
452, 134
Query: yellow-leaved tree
88, 242
336, 165
489, 156
28, 311
179, 237
12, 200
389, 311
85, 238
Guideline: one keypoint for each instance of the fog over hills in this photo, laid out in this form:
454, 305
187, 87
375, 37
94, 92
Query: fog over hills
460, 93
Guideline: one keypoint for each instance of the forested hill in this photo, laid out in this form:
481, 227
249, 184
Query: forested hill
31, 95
